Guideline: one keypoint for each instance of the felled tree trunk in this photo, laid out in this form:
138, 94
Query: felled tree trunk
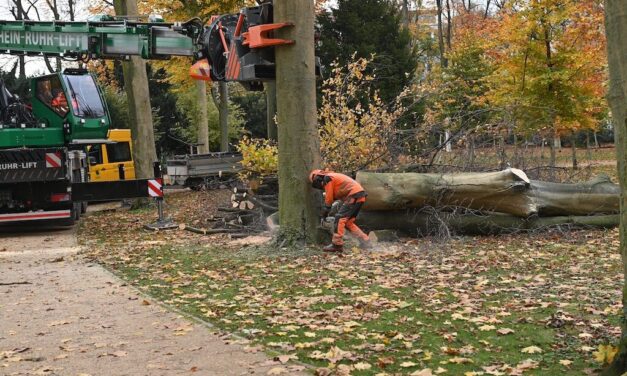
509, 191
432, 222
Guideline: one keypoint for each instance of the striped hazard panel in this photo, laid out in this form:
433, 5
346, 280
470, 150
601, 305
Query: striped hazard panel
233, 64
35, 216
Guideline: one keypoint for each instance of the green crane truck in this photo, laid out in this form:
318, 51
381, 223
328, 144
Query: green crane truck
43, 161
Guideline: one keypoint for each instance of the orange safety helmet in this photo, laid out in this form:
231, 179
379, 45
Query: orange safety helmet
319, 178
312, 174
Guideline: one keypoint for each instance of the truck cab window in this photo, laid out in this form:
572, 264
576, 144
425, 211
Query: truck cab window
50, 92
119, 152
86, 99
95, 151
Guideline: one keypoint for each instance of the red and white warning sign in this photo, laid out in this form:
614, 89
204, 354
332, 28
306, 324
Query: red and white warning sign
53, 160
155, 188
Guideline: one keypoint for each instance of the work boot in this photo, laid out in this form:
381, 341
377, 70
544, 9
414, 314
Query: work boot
333, 248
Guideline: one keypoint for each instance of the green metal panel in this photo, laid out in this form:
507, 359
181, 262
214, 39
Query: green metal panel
30, 137
98, 40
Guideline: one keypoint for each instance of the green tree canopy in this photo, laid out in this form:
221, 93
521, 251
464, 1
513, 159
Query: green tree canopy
364, 28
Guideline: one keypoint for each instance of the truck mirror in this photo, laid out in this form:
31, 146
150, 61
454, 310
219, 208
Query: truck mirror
92, 161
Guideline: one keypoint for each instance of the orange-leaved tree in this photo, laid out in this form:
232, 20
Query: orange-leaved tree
549, 65
356, 126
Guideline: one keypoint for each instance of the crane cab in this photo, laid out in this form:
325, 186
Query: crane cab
71, 103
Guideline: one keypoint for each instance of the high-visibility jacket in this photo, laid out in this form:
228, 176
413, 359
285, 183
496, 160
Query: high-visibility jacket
340, 187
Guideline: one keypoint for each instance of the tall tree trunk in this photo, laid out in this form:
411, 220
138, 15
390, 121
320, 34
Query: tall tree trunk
299, 146
471, 151
405, 13
573, 148
21, 16
224, 116
271, 110
616, 33
516, 156
449, 25
557, 141
502, 153
552, 161
588, 151
203, 120
443, 60
140, 111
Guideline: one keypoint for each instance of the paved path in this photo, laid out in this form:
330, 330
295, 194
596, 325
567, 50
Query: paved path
60, 315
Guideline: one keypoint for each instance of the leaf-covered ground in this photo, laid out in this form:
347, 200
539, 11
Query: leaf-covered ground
519, 304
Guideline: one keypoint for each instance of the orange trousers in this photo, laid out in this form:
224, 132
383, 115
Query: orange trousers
345, 219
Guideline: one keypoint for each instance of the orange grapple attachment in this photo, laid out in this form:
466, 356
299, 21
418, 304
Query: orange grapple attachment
201, 70
259, 36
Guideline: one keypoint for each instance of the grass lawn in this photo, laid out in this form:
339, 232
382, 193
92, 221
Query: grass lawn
509, 305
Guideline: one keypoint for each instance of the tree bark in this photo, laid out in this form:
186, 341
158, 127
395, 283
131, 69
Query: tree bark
616, 33
573, 148
588, 150
432, 222
203, 120
299, 146
271, 110
140, 110
510, 192
224, 116
552, 159
405, 13
443, 60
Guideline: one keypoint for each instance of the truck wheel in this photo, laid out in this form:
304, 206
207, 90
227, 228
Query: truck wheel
77, 209
83, 207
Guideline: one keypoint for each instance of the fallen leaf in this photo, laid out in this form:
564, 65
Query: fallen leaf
408, 364
385, 361
362, 366
460, 360
505, 331
424, 372
531, 350
605, 354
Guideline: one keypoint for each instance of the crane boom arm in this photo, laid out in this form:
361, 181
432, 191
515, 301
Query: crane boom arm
99, 40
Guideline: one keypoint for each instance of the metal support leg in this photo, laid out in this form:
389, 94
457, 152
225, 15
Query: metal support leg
162, 223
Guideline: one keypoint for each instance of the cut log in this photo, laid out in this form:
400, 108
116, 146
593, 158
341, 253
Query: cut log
509, 191
431, 222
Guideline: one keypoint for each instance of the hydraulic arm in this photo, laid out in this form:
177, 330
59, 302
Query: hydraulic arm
99, 39
233, 47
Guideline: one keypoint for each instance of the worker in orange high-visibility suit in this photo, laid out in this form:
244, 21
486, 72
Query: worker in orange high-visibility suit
341, 187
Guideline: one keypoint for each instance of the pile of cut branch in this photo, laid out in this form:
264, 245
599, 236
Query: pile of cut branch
246, 213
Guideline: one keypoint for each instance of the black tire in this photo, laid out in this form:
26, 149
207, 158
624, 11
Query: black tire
77, 209
84, 207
